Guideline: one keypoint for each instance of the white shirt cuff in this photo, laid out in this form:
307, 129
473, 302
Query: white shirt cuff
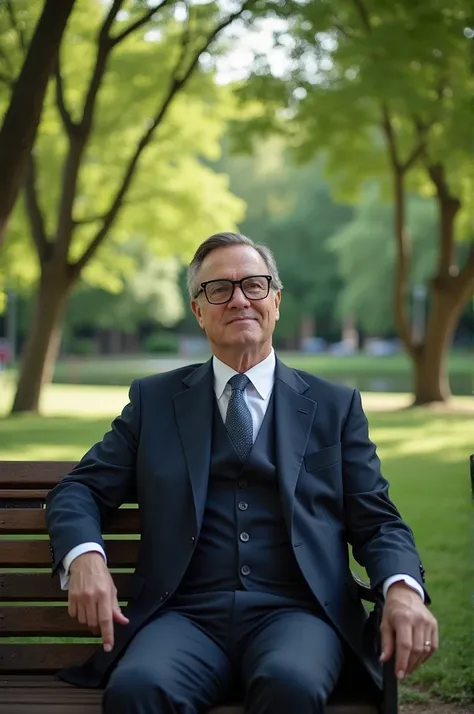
72, 555
411, 582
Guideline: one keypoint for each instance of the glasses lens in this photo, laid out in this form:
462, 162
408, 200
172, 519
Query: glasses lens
255, 287
218, 291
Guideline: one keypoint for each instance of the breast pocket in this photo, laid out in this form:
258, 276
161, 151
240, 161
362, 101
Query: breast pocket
323, 458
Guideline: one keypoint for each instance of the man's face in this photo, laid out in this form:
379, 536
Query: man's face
241, 323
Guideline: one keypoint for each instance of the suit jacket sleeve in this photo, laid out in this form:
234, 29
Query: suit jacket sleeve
381, 541
98, 485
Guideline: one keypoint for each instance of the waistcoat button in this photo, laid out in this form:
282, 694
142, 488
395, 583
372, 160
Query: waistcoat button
243, 506
242, 483
244, 537
245, 570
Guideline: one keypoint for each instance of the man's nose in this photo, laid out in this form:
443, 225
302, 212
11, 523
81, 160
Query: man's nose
238, 298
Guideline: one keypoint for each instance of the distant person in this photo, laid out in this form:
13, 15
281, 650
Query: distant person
252, 479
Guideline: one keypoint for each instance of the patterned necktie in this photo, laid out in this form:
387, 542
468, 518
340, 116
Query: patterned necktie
238, 419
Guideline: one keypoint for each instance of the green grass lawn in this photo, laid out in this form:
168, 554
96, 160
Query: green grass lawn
122, 370
424, 455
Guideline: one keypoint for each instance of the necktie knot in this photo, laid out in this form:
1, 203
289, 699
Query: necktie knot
239, 382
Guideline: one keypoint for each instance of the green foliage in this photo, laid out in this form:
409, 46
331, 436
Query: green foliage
348, 60
175, 199
161, 343
149, 294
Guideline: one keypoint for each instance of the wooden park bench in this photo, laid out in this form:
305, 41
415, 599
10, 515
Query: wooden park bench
42, 638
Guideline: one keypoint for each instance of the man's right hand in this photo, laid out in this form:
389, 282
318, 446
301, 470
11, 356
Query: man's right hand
93, 597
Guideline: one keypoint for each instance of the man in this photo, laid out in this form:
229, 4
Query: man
251, 479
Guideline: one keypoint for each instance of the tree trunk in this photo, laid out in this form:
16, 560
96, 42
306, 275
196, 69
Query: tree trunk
18, 132
44, 337
430, 374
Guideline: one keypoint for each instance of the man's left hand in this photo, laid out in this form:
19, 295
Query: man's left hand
407, 627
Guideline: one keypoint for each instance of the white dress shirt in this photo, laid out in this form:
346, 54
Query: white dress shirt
257, 397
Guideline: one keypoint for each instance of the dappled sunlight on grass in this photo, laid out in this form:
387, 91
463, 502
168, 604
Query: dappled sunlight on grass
72, 400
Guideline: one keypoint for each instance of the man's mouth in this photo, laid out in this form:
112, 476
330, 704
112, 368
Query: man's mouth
241, 319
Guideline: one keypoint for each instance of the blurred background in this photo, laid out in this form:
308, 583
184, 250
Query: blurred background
340, 134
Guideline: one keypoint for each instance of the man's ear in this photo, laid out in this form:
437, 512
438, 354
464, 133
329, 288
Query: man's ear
277, 304
197, 312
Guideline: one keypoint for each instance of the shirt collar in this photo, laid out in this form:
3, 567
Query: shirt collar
262, 375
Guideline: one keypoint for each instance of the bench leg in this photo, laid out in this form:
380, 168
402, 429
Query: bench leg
390, 688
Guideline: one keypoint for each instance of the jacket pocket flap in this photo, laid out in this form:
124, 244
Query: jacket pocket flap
324, 457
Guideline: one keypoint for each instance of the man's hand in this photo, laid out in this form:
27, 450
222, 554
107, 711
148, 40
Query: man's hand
93, 597
408, 626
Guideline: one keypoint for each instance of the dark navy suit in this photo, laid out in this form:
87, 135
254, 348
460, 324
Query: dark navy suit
236, 558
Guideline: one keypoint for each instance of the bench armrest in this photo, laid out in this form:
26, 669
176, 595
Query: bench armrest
365, 591
389, 703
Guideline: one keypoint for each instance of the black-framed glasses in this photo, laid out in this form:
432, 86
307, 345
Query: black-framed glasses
254, 287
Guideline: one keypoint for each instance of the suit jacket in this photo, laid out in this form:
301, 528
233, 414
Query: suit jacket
157, 454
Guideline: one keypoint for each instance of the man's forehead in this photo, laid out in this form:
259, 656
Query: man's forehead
229, 261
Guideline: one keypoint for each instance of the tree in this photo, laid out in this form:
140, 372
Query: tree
158, 120
384, 89
366, 293
18, 131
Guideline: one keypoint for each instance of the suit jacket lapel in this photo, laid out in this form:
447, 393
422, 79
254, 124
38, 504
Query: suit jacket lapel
194, 410
294, 415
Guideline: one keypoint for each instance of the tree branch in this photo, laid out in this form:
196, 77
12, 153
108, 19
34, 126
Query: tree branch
138, 23
364, 14
69, 125
78, 139
391, 138
176, 84
449, 206
33, 211
104, 45
15, 26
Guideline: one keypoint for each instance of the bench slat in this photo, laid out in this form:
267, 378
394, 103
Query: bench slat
49, 708
34, 554
33, 474
31, 520
41, 586
41, 657
23, 494
50, 621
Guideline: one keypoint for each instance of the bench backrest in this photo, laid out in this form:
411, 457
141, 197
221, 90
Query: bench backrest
32, 605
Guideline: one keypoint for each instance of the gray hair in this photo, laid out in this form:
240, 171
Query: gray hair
221, 240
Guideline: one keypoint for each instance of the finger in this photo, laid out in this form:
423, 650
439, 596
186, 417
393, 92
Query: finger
417, 654
106, 624
72, 606
431, 636
81, 614
91, 610
387, 641
404, 644
118, 615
